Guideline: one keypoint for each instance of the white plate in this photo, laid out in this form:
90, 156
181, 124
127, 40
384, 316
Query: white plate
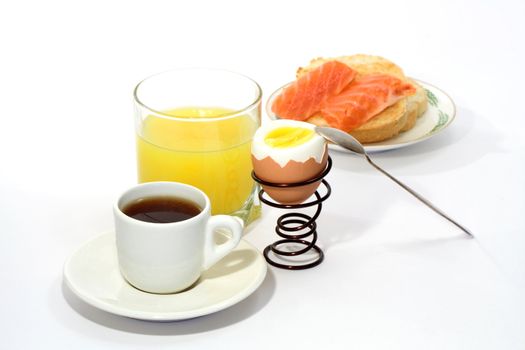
440, 113
92, 273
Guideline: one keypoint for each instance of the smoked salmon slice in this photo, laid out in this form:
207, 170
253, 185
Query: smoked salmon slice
304, 97
363, 99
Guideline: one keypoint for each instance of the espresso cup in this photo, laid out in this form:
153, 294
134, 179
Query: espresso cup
170, 257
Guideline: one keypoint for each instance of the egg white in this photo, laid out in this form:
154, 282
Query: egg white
313, 148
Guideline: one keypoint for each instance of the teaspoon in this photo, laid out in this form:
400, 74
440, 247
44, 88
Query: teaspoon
347, 141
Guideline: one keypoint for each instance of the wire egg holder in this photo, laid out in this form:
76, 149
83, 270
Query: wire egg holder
290, 225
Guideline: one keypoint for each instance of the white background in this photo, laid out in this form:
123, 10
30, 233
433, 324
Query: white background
396, 276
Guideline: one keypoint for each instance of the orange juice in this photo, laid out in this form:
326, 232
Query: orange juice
203, 147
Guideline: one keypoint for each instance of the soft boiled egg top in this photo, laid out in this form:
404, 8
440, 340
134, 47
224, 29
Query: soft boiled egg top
286, 140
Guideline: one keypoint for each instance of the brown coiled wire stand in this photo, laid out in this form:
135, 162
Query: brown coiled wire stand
296, 227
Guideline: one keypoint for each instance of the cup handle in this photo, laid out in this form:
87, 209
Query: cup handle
213, 252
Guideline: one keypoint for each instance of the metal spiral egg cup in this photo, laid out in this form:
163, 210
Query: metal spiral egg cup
295, 222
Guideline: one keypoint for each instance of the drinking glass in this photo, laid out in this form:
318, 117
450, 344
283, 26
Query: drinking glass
195, 126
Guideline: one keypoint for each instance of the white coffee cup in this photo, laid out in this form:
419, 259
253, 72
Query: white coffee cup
170, 257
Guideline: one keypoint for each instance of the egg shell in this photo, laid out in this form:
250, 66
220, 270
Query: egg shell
268, 169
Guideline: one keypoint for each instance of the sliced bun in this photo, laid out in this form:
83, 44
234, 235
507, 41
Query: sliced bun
386, 124
363, 64
416, 105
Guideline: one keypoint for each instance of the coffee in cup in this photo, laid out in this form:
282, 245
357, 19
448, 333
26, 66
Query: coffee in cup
161, 209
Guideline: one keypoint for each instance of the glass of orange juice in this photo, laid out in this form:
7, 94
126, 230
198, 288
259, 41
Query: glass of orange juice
195, 126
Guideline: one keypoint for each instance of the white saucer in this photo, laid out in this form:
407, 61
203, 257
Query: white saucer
92, 273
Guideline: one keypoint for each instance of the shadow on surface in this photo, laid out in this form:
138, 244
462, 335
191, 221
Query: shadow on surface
428, 243
236, 313
336, 229
468, 138
233, 262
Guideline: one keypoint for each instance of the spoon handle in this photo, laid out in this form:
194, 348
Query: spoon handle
418, 196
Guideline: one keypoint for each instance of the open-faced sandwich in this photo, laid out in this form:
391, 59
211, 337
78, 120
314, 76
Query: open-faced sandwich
366, 96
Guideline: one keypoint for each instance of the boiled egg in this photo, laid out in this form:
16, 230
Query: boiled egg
288, 152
